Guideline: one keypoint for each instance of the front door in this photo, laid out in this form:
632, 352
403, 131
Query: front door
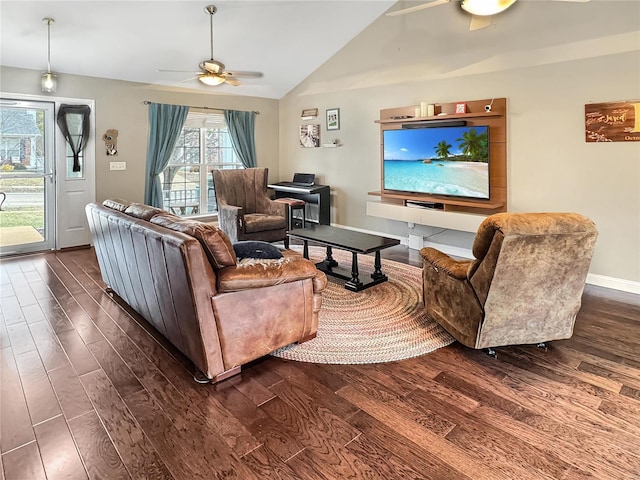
75, 189
27, 183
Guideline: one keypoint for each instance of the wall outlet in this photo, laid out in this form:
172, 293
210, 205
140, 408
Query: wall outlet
117, 165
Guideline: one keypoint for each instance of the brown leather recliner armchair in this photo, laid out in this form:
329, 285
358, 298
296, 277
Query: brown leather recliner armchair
245, 212
524, 287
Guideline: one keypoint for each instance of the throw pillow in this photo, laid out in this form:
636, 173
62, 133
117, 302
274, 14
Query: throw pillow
142, 211
215, 242
116, 204
256, 249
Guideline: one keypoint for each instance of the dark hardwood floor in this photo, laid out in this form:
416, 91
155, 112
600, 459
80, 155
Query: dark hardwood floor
88, 390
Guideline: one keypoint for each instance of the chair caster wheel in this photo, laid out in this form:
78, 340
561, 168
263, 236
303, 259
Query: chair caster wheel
543, 346
199, 377
491, 352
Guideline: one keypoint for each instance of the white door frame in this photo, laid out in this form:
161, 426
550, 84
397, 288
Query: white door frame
78, 224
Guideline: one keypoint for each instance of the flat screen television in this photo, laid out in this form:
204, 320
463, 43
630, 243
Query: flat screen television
445, 160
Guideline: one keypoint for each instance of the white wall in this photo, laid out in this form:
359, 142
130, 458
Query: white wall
119, 105
550, 166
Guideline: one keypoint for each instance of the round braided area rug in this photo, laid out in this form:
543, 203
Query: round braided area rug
383, 323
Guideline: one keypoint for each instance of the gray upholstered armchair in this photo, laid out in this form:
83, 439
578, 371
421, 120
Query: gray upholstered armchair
524, 287
245, 212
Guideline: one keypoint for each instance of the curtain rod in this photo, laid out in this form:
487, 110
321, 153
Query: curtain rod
147, 102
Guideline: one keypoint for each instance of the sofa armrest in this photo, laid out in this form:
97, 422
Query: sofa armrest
441, 261
266, 273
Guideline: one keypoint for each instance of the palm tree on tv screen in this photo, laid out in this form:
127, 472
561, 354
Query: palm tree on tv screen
475, 146
442, 149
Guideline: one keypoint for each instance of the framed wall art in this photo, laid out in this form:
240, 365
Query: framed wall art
333, 119
309, 113
310, 136
612, 122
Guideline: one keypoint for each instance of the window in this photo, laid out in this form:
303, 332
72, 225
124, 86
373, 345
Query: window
70, 173
203, 145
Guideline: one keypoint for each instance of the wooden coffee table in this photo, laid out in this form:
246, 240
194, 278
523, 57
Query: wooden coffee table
354, 242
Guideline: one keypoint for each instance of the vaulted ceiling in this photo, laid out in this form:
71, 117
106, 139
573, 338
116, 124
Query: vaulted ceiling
288, 40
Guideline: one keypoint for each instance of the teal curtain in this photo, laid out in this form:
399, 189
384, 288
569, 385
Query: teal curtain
165, 125
241, 130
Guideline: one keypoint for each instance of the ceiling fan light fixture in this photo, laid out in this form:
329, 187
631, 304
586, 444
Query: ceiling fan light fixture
49, 80
211, 79
486, 7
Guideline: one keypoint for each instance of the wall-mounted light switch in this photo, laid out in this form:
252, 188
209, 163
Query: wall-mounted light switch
117, 165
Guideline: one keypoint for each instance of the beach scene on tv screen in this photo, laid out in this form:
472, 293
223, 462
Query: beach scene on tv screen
441, 161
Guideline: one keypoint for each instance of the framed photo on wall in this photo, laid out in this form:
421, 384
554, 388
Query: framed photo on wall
310, 136
333, 119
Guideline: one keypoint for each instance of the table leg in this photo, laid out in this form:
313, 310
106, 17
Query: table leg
354, 284
329, 260
377, 267
305, 249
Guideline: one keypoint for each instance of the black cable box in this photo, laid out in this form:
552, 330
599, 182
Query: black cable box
432, 205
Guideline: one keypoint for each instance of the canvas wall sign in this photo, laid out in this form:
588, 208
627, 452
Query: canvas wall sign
612, 122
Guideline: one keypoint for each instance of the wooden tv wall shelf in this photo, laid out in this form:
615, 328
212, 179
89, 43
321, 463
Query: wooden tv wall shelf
496, 120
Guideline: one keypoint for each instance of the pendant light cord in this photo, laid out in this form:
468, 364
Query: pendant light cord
48, 46
48, 21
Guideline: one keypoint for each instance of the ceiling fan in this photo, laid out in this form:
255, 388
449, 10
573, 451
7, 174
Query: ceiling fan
212, 72
481, 10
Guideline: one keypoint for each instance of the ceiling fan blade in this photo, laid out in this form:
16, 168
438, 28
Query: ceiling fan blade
478, 22
189, 79
232, 81
417, 7
177, 71
238, 73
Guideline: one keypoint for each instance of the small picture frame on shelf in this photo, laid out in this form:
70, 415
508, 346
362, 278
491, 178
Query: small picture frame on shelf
333, 119
461, 108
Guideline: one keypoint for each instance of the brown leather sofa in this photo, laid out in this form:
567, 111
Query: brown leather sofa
183, 277
525, 285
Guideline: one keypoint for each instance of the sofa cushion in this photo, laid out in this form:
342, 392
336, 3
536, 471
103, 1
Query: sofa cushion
216, 244
259, 222
266, 273
142, 211
256, 249
116, 204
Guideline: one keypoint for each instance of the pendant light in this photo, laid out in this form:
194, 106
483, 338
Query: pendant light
49, 79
